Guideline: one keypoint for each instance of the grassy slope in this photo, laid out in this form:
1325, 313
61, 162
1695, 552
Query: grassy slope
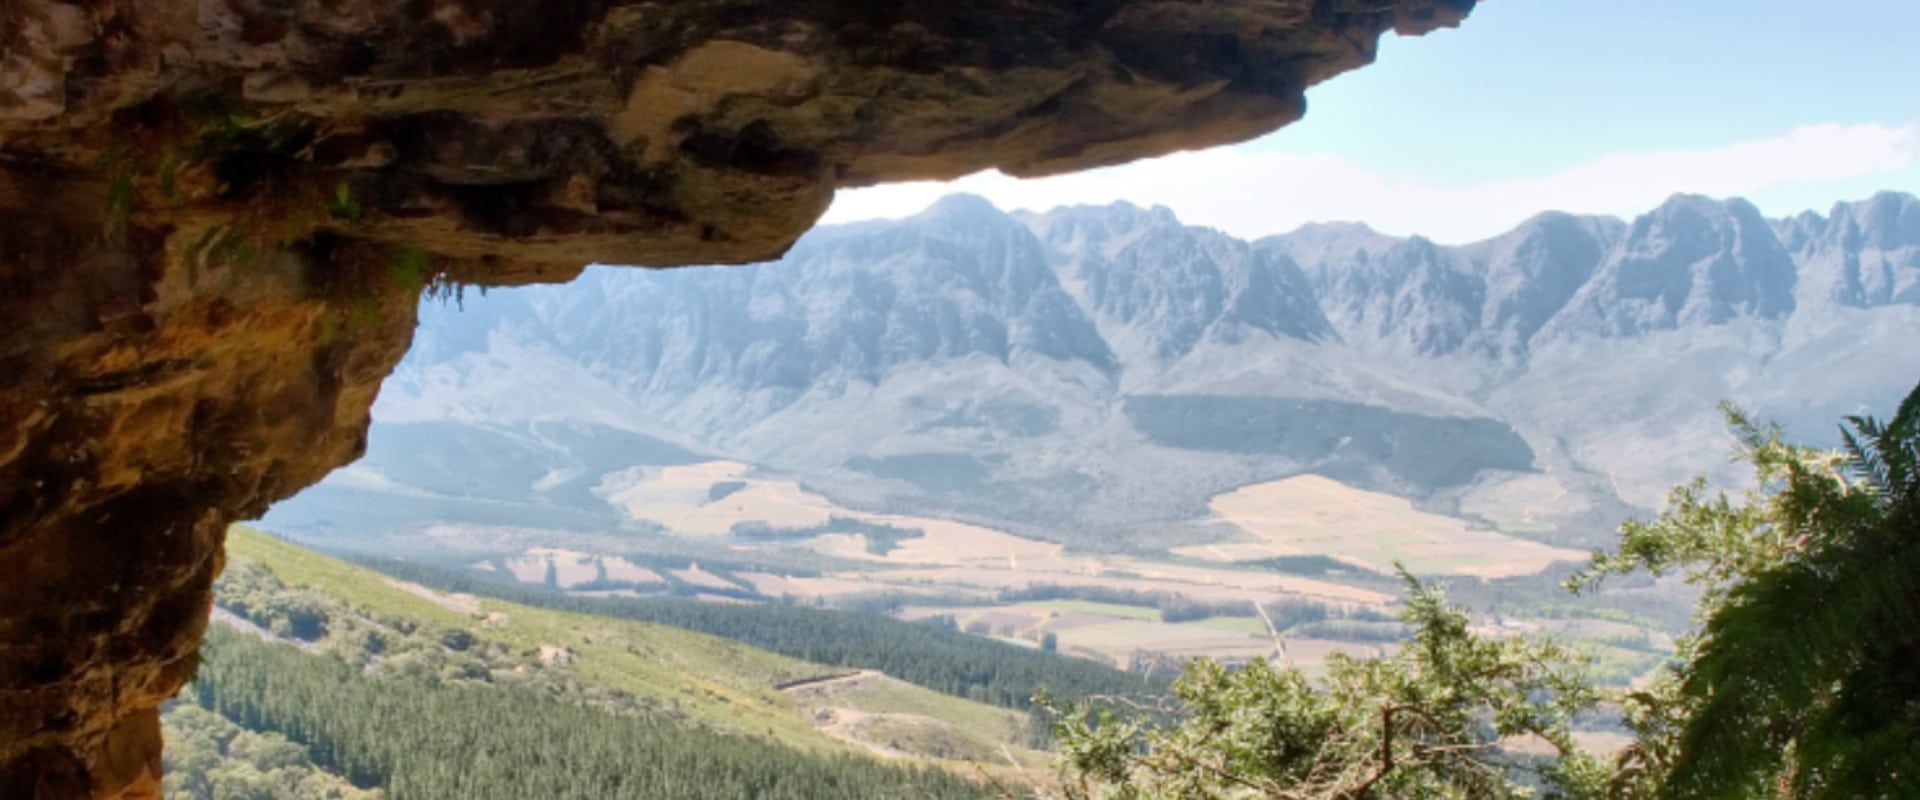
720, 682
988, 733
714, 680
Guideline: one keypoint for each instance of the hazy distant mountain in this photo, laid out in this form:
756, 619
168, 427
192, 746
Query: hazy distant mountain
1490, 297
1397, 293
1861, 255
1157, 288
1532, 273
1693, 261
960, 280
1108, 368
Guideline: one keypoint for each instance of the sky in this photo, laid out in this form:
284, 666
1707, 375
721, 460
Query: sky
1588, 106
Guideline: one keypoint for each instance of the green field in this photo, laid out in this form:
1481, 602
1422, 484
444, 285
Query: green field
1090, 607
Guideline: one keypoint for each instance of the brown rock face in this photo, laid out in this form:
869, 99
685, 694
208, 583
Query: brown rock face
216, 218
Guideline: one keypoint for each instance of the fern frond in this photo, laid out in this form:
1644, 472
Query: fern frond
1817, 653
1899, 448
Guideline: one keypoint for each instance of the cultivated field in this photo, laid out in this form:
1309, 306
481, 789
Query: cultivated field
1313, 515
1116, 633
620, 569
971, 572
688, 500
699, 577
941, 542
681, 499
572, 568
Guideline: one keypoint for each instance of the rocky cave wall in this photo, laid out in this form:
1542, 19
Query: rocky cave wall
216, 218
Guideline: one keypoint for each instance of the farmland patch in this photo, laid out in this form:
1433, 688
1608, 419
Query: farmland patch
1314, 515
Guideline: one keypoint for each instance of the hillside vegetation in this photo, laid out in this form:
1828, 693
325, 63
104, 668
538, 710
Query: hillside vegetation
1796, 683
718, 682
461, 740
331, 681
929, 655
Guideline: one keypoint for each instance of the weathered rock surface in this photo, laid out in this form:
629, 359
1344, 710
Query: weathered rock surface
215, 215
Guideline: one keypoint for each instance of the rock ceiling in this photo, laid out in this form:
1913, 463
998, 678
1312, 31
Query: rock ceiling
216, 218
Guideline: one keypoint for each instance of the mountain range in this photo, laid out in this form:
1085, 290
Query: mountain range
1094, 374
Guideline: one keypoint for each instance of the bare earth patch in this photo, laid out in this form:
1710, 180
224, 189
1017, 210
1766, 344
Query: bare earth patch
463, 603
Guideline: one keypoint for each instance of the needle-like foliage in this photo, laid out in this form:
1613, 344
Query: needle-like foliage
1430, 721
1803, 681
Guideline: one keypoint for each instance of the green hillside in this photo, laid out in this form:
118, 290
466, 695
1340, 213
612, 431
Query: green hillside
929, 655
459, 740
333, 680
706, 678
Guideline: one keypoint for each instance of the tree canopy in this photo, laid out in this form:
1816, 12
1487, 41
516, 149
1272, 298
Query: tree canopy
1800, 680
1803, 678
1425, 722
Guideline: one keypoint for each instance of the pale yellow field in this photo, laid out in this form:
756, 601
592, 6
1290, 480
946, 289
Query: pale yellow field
570, 568
1313, 515
780, 504
1298, 516
943, 542
676, 498
620, 569
1123, 638
1263, 581
528, 569
700, 577
569, 573
986, 578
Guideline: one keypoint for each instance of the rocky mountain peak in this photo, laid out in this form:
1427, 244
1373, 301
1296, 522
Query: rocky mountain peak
1532, 272
1161, 289
1863, 254
1797, 231
962, 210
1885, 221
1692, 261
1404, 294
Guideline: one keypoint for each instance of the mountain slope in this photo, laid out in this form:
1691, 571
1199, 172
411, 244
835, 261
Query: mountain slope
1157, 288
1065, 374
720, 684
1692, 262
392, 630
1861, 255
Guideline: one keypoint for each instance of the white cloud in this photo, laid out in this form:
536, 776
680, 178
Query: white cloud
1258, 193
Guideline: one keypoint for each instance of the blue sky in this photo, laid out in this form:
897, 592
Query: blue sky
1594, 106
